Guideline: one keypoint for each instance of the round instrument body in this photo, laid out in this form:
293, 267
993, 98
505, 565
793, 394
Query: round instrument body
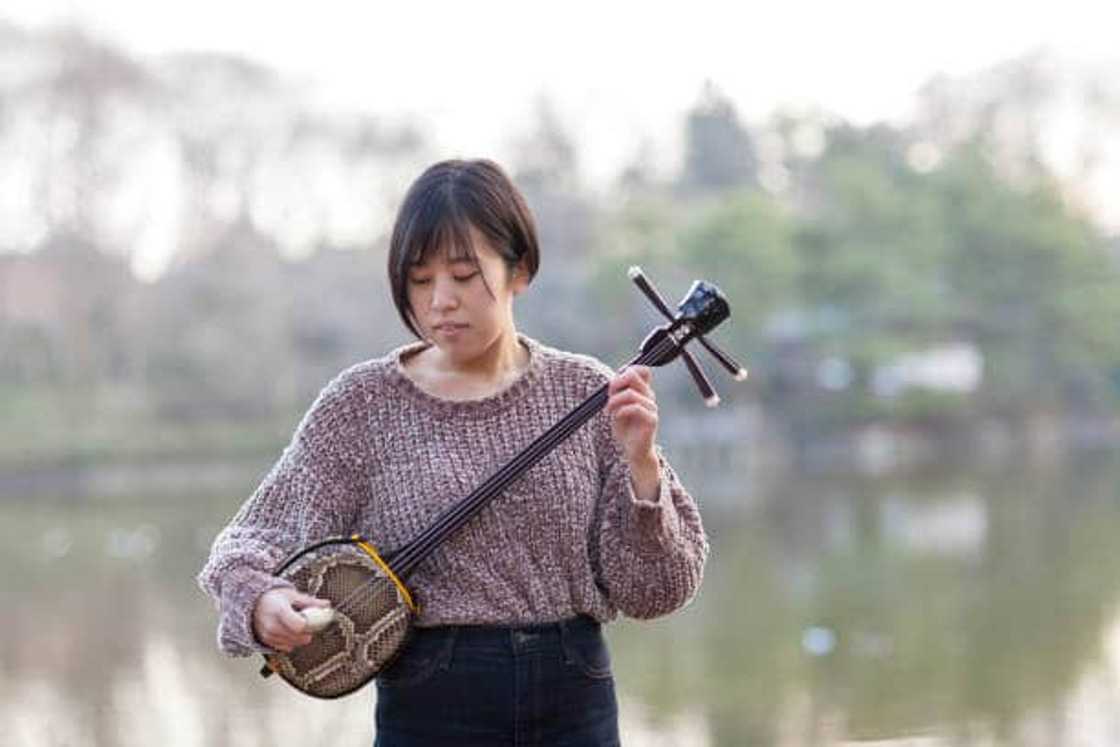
371, 624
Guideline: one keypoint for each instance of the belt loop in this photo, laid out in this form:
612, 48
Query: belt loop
449, 651
565, 643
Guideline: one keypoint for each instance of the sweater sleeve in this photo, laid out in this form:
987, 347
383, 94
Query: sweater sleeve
311, 492
651, 554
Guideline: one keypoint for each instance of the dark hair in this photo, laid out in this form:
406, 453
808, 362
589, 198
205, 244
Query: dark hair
440, 208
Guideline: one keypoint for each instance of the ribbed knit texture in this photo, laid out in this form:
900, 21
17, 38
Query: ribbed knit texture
377, 455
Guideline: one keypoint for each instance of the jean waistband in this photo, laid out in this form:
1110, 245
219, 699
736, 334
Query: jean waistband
515, 636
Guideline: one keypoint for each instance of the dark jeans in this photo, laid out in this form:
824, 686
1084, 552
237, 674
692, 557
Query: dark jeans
547, 685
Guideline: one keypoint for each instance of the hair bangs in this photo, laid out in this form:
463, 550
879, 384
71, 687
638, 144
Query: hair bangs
438, 232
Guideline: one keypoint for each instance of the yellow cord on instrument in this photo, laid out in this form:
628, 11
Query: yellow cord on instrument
372, 552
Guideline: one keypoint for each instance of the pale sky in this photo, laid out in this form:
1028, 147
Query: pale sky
617, 72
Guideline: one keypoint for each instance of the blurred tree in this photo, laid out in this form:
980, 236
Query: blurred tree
743, 240
545, 157
227, 115
639, 229
1037, 117
1036, 288
912, 257
216, 337
638, 175
1003, 108
546, 169
719, 153
61, 309
89, 104
873, 244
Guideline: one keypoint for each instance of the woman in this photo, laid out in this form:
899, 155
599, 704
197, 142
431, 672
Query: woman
507, 647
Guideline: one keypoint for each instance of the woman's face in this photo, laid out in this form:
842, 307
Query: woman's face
462, 307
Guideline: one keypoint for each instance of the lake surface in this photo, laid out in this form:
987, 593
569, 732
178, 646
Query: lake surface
977, 607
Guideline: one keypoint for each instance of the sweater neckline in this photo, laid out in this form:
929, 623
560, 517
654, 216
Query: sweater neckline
479, 407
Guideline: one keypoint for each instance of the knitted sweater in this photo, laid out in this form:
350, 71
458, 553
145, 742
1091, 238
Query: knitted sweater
378, 455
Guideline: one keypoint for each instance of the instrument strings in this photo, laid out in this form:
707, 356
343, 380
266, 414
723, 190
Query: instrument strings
418, 548
545, 443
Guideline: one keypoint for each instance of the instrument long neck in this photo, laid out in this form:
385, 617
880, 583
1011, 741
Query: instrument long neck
405, 560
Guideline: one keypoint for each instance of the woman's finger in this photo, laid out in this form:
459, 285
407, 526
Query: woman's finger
629, 396
281, 639
636, 413
638, 377
302, 601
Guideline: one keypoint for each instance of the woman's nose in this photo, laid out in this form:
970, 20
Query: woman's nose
444, 294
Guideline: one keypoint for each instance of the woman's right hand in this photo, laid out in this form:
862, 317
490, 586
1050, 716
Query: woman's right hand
276, 619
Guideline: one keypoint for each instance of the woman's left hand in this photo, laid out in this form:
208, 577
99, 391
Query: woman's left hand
632, 408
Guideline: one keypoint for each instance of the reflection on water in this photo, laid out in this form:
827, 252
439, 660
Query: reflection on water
975, 609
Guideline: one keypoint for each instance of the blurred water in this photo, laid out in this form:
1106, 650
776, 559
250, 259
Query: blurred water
975, 608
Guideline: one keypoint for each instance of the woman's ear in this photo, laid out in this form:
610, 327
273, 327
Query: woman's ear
519, 277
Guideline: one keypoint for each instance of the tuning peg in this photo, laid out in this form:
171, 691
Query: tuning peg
738, 372
729, 363
711, 399
646, 287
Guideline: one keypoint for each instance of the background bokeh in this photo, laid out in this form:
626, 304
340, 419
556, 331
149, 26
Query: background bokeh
912, 501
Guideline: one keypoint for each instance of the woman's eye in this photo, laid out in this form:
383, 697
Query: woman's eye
419, 281
464, 278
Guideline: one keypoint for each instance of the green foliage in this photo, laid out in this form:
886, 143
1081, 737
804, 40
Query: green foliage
875, 245
871, 259
741, 240
1032, 284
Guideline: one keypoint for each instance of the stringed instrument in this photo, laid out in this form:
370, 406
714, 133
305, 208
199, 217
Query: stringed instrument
372, 609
